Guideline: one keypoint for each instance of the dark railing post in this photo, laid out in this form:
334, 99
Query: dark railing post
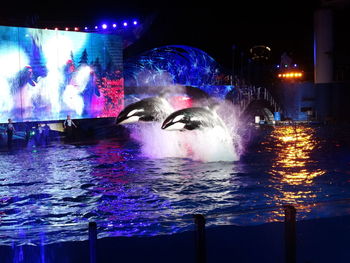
290, 233
199, 220
92, 241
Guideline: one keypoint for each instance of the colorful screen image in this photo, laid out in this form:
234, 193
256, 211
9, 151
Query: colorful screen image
49, 74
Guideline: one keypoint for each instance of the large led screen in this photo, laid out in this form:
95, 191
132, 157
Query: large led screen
48, 74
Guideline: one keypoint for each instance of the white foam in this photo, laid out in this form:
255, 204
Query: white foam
222, 143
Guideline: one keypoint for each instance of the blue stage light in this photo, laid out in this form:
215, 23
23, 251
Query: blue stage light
114, 25
135, 22
86, 28
104, 26
96, 27
125, 24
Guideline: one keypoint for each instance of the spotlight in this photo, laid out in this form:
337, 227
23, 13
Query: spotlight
56, 28
96, 27
67, 28
104, 26
86, 28
125, 24
76, 29
114, 25
135, 22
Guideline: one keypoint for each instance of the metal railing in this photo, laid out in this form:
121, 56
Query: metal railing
249, 93
200, 237
286, 214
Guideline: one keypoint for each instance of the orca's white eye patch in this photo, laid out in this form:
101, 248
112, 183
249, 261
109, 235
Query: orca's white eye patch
131, 119
133, 112
176, 126
177, 118
195, 118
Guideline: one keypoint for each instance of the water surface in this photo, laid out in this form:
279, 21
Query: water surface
49, 194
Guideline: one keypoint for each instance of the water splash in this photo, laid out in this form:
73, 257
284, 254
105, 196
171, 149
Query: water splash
221, 143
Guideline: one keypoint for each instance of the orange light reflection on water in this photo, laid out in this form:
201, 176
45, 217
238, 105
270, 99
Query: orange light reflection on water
293, 170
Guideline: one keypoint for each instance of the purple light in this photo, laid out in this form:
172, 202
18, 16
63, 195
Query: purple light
295, 65
104, 26
86, 28
125, 24
278, 66
114, 25
135, 22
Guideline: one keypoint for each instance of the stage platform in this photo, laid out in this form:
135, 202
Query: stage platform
87, 129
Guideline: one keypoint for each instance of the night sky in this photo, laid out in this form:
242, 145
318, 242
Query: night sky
284, 27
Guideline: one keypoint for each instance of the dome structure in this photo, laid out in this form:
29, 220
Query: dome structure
175, 65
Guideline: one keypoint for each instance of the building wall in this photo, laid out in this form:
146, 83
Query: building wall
297, 100
333, 101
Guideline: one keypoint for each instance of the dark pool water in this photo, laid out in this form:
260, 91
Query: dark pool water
49, 194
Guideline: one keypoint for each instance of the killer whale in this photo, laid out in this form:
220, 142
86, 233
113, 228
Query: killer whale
192, 119
146, 110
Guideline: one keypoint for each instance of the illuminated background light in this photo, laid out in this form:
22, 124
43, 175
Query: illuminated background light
103, 26
290, 75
